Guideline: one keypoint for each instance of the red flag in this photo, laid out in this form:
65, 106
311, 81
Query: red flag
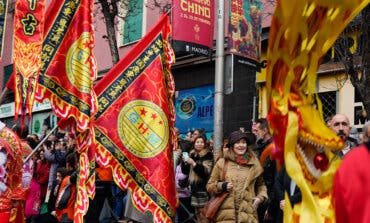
28, 36
66, 78
134, 125
68, 65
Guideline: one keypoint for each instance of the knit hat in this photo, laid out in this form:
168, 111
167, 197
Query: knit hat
236, 136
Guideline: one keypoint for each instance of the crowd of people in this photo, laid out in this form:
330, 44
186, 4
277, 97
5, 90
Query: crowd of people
255, 181
50, 174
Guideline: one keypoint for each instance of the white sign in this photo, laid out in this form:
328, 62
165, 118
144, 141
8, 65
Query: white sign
7, 110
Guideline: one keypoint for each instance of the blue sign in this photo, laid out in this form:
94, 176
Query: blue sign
194, 109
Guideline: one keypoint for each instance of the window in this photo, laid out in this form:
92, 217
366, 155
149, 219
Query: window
132, 28
329, 103
357, 96
360, 115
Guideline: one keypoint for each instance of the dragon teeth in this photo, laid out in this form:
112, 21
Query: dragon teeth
314, 172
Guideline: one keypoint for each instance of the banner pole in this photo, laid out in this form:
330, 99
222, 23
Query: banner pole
219, 76
40, 144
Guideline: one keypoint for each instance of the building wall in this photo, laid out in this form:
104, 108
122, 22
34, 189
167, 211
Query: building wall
238, 106
338, 82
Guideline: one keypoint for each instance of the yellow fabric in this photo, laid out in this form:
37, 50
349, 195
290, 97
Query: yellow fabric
301, 33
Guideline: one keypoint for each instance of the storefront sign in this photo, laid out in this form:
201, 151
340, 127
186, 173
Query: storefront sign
192, 26
7, 110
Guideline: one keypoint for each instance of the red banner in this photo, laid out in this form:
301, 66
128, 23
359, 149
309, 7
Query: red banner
68, 65
192, 24
28, 36
134, 124
66, 79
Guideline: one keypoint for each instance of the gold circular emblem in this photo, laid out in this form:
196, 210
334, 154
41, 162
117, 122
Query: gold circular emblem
78, 64
143, 128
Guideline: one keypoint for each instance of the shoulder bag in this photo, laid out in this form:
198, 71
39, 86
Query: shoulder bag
211, 208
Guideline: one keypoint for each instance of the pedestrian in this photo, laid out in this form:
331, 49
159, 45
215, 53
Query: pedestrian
264, 148
185, 211
48, 217
341, 126
243, 181
199, 166
284, 184
65, 202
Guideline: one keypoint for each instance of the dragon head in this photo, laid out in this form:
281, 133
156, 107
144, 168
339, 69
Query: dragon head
308, 141
301, 33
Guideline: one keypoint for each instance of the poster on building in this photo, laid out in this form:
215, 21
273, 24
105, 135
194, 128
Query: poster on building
192, 26
244, 28
3, 15
194, 109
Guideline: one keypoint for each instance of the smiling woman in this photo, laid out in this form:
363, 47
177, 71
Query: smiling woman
244, 181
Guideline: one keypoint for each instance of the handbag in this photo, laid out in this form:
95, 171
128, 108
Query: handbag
211, 208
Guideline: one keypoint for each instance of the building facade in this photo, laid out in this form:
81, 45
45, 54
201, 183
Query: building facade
244, 99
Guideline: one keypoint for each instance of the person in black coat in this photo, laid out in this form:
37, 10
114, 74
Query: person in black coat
267, 211
284, 183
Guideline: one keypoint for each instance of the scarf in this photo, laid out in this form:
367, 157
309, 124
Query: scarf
243, 159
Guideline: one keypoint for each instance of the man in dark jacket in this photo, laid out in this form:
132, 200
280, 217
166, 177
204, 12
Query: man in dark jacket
341, 126
267, 211
284, 184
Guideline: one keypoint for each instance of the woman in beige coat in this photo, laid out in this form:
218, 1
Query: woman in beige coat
243, 181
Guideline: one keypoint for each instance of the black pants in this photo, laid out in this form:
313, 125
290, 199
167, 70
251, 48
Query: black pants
185, 212
44, 218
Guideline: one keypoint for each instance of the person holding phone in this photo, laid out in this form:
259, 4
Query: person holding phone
185, 155
185, 211
199, 166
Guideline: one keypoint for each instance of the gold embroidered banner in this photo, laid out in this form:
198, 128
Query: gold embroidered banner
134, 124
28, 36
66, 77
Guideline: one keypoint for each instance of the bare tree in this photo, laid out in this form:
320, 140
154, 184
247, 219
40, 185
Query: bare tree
353, 50
114, 9
109, 8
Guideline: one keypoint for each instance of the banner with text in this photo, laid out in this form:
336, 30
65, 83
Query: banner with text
244, 29
194, 109
192, 25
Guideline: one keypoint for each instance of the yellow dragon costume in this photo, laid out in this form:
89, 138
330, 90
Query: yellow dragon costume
302, 31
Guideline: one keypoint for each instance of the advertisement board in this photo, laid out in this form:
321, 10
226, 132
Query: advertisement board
192, 26
244, 28
194, 109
